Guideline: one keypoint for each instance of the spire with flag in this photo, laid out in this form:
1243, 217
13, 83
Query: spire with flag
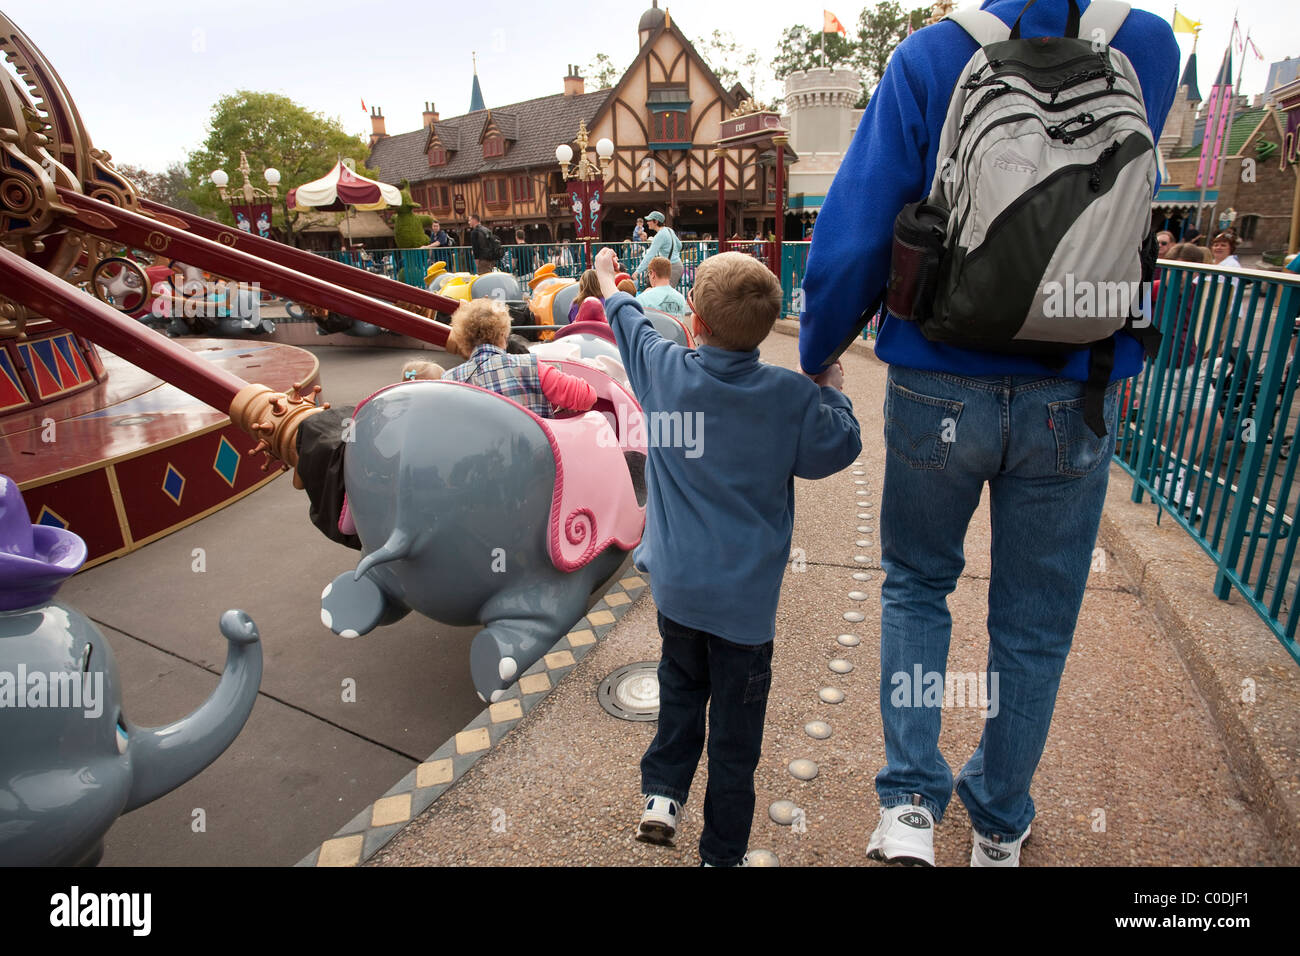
1184, 24
476, 94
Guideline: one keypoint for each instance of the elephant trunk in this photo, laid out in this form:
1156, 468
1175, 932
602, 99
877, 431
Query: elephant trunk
163, 758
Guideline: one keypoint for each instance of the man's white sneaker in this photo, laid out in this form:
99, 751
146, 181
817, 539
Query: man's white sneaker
989, 851
905, 835
658, 820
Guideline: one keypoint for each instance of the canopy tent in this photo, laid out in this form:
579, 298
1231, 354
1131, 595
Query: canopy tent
340, 188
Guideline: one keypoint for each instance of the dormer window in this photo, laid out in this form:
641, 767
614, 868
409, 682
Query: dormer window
669, 108
494, 145
437, 156
671, 128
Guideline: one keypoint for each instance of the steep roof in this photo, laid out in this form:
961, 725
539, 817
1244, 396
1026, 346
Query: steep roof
728, 97
1189, 79
1243, 125
539, 125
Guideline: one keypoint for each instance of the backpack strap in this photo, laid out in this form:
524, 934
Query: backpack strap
985, 27
1100, 363
1104, 15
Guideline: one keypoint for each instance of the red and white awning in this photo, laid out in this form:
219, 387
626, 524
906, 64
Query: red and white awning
340, 188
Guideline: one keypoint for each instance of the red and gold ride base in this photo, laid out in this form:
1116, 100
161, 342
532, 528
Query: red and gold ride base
118, 456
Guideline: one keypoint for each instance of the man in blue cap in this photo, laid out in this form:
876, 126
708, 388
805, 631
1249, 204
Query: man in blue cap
666, 244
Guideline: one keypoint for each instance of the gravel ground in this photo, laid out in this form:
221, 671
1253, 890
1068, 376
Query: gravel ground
1133, 773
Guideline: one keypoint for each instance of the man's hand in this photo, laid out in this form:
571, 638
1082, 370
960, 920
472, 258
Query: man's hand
832, 377
606, 266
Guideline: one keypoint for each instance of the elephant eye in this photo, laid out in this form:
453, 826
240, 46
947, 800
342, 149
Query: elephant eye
121, 736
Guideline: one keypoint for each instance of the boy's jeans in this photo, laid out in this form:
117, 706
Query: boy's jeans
700, 670
947, 435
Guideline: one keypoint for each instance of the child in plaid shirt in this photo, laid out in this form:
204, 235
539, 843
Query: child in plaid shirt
479, 331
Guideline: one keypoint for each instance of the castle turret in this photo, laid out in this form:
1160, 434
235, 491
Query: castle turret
821, 117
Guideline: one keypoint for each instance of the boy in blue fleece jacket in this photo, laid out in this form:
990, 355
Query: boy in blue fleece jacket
719, 517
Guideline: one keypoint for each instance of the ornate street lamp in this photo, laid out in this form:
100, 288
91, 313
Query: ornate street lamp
250, 206
585, 181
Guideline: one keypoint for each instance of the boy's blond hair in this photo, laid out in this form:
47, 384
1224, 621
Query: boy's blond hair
417, 369
738, 298
478, 322
660, 267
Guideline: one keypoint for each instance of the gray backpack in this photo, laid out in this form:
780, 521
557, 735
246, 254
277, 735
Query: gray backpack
1029, 242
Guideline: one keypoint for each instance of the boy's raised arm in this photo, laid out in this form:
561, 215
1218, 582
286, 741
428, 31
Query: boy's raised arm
637, 339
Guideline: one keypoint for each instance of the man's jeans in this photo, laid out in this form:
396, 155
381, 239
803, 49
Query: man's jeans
948, 435
700, 670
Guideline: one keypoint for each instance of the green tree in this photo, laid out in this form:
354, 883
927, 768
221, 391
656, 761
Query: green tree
602, 72
801, 49
171, 187
730, 62
880, 29
867, 50
275, 132
407, 231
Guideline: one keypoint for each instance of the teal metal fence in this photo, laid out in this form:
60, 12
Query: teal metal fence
570, 259
1207, 428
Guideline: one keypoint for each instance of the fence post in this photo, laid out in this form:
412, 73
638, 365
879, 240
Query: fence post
1263, 412
1170, 319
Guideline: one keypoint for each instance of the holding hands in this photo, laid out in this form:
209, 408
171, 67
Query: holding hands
832, 377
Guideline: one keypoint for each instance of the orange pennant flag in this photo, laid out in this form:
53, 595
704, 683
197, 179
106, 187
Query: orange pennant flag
831, 24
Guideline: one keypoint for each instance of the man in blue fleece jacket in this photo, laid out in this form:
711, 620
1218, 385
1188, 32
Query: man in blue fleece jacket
954, 420
719, 516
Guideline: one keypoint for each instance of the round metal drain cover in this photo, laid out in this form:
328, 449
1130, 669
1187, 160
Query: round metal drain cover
803, 769
817, 729
632, 692
782, 812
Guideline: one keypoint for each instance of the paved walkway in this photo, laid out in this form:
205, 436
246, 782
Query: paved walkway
1134, 771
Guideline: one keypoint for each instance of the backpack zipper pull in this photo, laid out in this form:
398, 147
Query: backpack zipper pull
1094, 177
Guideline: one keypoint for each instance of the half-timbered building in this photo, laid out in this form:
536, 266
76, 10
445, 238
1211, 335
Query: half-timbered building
663, 116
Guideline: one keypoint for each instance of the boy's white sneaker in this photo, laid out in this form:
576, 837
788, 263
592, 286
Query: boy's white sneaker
989, 851
658, 820
905, 835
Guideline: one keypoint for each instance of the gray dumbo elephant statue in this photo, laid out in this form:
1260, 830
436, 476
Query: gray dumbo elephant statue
70, 760
471, 509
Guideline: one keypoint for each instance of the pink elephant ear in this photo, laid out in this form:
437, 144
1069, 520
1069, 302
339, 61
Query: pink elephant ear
591, 310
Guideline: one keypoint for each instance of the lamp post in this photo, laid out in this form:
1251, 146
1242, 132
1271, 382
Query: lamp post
249, 202
721, 155
585, 183
778, 143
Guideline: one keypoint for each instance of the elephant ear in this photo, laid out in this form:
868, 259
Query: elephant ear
595, 502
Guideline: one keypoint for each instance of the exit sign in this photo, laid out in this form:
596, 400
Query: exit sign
751, 125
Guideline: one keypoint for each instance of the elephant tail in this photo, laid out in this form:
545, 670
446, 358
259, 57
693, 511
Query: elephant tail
397, 546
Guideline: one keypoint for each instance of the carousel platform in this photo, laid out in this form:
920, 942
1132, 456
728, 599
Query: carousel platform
128, 459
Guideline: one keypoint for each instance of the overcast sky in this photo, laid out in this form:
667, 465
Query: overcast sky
145, 73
